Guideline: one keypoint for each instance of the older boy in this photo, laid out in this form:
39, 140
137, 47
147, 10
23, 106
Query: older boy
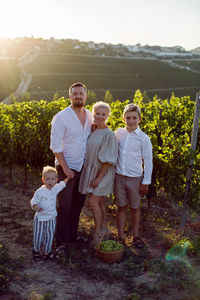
132, 180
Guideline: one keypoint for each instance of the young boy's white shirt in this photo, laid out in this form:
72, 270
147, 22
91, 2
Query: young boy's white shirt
46, 199
134, 148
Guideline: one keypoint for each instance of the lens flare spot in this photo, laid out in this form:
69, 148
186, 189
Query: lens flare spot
178, 252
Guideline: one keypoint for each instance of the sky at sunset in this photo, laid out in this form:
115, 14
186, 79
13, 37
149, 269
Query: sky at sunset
152, 22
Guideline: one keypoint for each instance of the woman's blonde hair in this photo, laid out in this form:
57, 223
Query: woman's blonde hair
101, 104
48, 169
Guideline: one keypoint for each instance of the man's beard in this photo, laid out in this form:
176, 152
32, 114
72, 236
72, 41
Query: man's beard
78, 103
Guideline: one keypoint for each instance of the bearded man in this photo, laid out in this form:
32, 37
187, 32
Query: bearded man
70, 129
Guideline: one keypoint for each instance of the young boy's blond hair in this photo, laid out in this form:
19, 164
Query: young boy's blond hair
48, 169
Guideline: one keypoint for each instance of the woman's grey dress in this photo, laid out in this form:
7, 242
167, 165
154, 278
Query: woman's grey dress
101, 148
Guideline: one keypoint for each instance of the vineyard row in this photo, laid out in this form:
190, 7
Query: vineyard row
25, 134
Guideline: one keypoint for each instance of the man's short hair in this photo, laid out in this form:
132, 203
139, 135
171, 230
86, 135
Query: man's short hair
132, 107
48, 169
77, 84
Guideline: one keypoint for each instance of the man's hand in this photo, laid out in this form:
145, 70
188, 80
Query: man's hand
93, 127
143, 189
69, 173
61, 159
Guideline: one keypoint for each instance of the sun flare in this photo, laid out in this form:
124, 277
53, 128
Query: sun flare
20, 18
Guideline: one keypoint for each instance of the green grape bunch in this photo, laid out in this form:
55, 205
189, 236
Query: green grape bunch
110, 246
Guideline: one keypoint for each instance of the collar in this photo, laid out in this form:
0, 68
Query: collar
137, 131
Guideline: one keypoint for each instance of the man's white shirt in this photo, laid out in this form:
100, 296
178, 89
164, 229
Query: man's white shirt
134, 149
46, 199
69, 136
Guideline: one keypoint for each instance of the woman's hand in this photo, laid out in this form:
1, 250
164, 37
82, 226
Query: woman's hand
95, 182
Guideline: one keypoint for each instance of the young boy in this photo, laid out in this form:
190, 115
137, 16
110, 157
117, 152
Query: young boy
44, 203
132, 179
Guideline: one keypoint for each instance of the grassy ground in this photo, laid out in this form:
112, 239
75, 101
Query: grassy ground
167, 267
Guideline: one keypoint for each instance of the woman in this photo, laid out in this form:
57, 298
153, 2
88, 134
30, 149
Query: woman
98, 173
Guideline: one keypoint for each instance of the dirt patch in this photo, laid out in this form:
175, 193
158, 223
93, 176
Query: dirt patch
79, 274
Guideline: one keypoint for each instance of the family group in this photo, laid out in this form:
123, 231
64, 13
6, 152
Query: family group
90, 160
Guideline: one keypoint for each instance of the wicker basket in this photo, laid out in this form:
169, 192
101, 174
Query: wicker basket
109, 257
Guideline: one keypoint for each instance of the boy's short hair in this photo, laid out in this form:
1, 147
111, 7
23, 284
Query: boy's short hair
77, 84
48, 169
101, 104
132, 107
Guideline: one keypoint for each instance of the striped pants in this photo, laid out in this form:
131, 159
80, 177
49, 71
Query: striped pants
43, 233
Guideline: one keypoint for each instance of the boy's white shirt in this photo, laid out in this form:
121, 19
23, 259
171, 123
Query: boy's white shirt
46, 199
134, 148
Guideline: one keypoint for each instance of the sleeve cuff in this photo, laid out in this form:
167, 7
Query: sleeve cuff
33, 203
63, 184
146, 182
56, 150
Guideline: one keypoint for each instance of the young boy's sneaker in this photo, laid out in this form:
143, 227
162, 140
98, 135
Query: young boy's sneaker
48, 256
36, 255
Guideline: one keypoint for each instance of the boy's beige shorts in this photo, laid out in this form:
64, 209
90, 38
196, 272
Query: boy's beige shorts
127, 190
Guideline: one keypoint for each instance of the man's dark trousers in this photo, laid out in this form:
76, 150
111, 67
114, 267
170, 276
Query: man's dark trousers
70, 203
